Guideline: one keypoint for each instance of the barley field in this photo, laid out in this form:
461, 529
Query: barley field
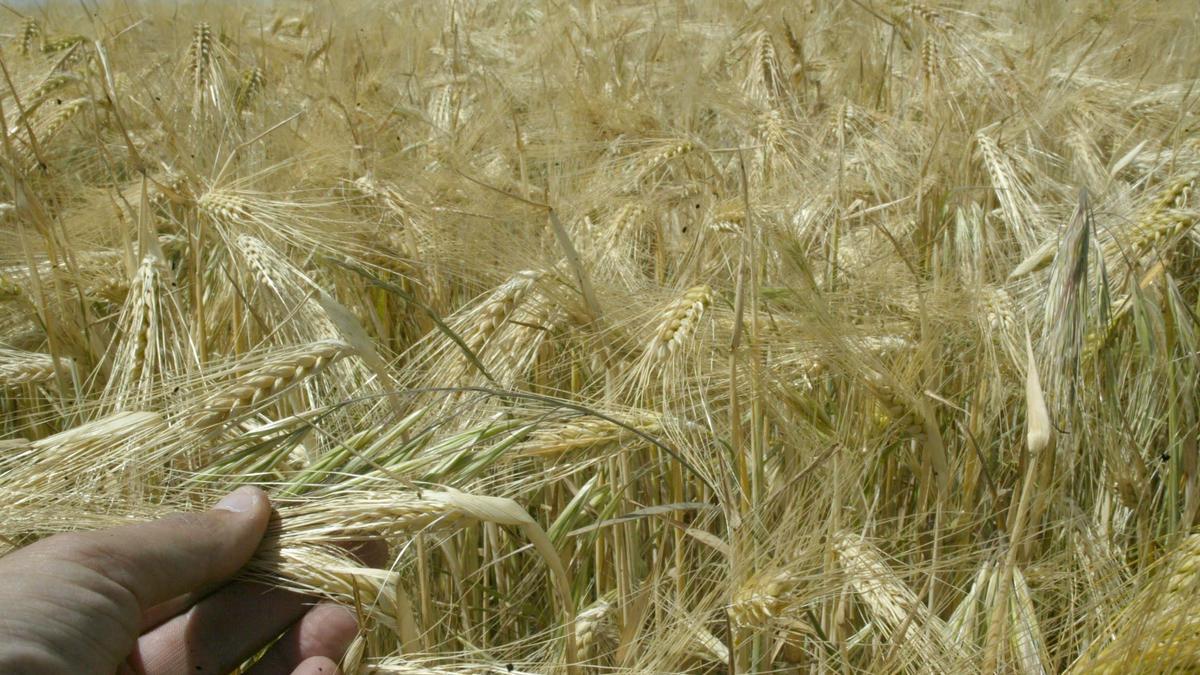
702, 336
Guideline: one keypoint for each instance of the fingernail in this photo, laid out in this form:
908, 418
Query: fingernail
238, 501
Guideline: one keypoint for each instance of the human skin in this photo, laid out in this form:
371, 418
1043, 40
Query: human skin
154, 598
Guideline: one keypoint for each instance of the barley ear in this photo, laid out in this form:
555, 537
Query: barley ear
1037, 435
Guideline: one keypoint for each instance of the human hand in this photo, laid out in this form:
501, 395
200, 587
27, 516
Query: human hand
148, 598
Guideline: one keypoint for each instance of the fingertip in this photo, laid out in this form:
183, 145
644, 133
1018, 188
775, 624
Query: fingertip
333, 628
317, 665
325, 632
249, 509
246, 499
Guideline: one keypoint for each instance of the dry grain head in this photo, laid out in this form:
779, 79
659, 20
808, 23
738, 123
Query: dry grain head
678, 322
763, 597
268, 381
596, 630
499, 305
1037, 416
31, 33
923, 637
20, 367
252, 84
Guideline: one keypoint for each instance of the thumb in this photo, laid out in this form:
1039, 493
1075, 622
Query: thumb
161, 559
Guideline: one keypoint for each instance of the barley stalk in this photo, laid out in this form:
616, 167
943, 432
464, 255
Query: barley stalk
62, 44
596, 631
1164, 219
31, 32
679, 321
585, 434
250, 87
763, 598
266, 382
921, 635
225, 207
1158, 632
9, 290
200, 56
1037, 417
929, 60
19, 368
305, 528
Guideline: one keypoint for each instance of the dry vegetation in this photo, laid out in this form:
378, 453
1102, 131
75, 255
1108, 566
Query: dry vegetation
654, 337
